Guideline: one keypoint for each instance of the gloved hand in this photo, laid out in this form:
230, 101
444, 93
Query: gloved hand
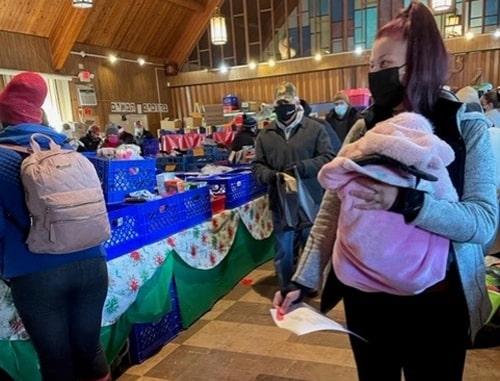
290, 295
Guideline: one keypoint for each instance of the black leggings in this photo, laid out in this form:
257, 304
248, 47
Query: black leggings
425, 335
61, 310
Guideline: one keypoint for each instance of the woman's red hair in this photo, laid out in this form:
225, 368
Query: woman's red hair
426, 56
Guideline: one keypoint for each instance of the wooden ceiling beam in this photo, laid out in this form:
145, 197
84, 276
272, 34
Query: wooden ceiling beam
189, 4
65, 31
193, 31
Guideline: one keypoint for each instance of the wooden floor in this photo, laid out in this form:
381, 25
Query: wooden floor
238, 341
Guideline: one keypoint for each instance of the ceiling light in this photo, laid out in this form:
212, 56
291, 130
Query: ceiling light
82, 3
112, 58
358, 51
497, 33
223, 68
141, 61
469, 35
441, 5
318, 57
252, 65
218, 30
271, 62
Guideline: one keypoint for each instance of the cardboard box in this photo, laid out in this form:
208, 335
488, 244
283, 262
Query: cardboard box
213, 114
172, 125
192, 122
253, 106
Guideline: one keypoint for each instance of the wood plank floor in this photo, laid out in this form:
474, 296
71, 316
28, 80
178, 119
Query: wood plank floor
238, 341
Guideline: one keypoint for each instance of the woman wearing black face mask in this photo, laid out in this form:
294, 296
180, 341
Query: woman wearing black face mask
424, 335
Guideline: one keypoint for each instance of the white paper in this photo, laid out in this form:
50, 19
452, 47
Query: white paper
303, 319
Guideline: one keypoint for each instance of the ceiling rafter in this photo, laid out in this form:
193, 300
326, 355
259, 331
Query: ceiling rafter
196, 27
189, 4
64, 33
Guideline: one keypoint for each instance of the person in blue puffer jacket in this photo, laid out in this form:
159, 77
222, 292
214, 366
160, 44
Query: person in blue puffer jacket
59, 297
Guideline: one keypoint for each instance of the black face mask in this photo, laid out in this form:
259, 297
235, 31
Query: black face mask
387, 91
284, 112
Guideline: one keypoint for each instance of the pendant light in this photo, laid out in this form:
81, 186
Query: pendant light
441, 5
82, 3
218, 31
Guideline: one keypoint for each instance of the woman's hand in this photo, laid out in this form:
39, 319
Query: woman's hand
283, 304
375, 196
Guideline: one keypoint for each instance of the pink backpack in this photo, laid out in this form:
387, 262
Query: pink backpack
64, 198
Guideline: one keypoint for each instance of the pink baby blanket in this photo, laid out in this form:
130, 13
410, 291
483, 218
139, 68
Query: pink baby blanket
376, 251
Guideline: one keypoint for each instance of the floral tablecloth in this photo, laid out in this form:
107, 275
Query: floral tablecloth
206, 245
201, 247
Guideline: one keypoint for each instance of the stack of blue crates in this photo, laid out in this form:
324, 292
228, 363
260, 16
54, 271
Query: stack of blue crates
147, 339
121, 177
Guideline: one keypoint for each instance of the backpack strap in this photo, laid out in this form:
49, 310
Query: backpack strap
13, 147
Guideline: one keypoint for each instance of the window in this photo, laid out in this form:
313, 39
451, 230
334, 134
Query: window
365, 23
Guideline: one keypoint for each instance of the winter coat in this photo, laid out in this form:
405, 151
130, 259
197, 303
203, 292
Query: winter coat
342, 126
308, 148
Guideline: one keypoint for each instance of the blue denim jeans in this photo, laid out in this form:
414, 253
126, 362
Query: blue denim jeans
61, 310
287, 249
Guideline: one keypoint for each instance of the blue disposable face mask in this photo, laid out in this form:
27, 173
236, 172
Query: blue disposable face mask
340, 109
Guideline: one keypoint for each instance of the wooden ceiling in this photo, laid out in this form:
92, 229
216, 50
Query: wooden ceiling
167, 29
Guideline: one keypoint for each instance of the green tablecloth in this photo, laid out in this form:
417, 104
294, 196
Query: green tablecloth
198, 290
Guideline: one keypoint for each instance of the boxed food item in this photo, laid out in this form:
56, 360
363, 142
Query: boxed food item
213, 114
192, 122
171, 125
161, 179
174, 186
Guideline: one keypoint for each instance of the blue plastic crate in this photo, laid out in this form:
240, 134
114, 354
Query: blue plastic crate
238, 187
127, 230
175, 213
89, 154
121, 177
174, 163
147, 339
150, 147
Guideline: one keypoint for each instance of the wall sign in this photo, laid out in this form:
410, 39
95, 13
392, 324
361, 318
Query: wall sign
123, 107
154, 107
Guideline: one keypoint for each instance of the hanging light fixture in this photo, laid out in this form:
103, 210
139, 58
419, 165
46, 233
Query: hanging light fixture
83, 3
441, 5
218, 31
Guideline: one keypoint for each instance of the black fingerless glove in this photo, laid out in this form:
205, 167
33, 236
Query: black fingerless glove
408, 203
294, 286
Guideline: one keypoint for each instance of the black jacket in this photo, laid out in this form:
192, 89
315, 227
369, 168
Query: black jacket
343, 126
91, 143
308, 148
334, 138
245, 137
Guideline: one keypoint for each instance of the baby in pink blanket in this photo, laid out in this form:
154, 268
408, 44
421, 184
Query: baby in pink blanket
376, 251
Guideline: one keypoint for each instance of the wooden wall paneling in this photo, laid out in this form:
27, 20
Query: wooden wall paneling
123, 81
31, 52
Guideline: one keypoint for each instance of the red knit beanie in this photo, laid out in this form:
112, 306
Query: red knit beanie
22, 99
